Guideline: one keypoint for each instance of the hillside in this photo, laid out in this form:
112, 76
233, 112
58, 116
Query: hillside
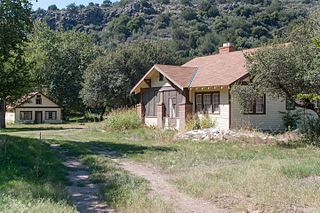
196, 27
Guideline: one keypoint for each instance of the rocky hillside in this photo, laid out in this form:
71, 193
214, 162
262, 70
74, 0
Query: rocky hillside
196, 27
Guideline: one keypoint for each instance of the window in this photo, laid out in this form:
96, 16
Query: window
198, 102
25, 115
290, 105
172, 108
208, 102
38, 99
160, 77
51, 115
257, 106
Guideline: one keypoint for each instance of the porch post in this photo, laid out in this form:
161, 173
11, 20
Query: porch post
185, 109
141, 108
160, 111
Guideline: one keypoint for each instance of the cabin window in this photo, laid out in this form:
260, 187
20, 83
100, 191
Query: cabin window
256, 106
51, 115
25, 115
290, 105
172, 108
208, 102
38, 99
160, 77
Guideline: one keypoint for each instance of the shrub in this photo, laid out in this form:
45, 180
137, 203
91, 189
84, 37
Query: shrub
194, 122
122, 119
291, 120
311, 130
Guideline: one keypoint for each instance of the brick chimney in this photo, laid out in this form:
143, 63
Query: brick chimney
226, 48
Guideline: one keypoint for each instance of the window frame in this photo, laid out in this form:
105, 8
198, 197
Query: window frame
47, 118
25, 112
38, 98
254, 107
212, 103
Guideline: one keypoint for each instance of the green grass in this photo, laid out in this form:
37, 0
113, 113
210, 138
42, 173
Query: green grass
32, 178
241, 175
121, 190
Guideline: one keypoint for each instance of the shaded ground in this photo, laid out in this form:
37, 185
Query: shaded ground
83, 192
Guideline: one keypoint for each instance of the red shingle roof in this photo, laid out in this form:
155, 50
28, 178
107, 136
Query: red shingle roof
219, 69
180, 75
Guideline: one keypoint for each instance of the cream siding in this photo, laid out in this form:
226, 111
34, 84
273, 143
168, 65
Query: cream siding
45, 106
150, 121
271, 120
155, 80
10, 117
222, 119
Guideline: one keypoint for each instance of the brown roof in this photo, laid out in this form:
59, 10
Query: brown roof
214, 70
180, 75
218, 70
26, 98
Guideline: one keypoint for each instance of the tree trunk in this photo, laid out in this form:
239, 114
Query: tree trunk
2, 114
102, 113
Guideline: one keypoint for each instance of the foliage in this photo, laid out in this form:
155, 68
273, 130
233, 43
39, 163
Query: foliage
122, 119
195, 122
311, 130
287, 70
59, 60
109, 79
244, 23
291, 119
15, 24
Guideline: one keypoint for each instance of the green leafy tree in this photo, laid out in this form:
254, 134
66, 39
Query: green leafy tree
286, 70
15, 24
108, 80
59, 60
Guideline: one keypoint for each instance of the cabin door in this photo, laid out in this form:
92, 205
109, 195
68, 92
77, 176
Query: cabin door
38, 117
172, 111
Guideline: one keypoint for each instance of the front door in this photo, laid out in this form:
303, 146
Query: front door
172, 108
38, 117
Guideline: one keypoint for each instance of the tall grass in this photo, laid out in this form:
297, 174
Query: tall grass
32, 179
122, 119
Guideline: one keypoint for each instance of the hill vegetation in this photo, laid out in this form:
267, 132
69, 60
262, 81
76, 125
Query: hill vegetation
196, 26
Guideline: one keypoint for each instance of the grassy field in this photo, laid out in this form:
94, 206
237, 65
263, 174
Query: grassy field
235, 175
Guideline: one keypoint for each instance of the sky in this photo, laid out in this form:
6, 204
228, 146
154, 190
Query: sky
60, 3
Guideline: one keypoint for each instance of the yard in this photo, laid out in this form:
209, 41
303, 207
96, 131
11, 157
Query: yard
242, 175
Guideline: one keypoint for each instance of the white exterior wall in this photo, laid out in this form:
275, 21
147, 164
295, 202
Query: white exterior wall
10, 117
47, 105
222, 119
156, 83
150, 121
43, 110
271, 120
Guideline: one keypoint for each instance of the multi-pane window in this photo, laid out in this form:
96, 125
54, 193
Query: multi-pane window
51, 115
38, 99
256, 106
208, 102
290, 105
25, 115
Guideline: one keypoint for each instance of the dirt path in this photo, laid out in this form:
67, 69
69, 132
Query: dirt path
159, 185
83, 192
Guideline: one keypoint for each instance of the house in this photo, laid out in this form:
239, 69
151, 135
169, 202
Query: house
35, 108
170, 94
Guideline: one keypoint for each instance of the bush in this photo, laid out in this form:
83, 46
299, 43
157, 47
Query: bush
194, 122
311, 131
122, 119
291, 120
